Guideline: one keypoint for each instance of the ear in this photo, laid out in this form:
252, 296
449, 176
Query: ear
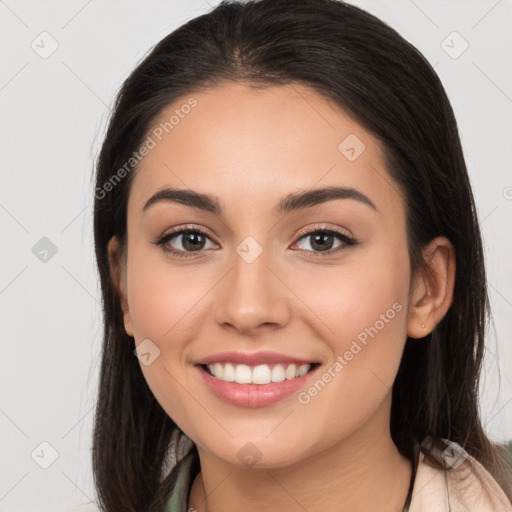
118, 274
432, 292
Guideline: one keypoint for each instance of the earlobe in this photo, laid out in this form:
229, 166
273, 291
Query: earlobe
118, 276
433, 290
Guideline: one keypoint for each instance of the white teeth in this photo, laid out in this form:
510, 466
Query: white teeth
261, 374
290, 372
278, 373
243, 374
302, 370
218, 370
229, 373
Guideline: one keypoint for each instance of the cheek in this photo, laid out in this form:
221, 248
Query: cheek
363, 293
363, 312
163, 303
355, 385
163, 296
166, 302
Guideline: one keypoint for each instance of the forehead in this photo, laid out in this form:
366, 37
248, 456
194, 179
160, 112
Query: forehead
252, 146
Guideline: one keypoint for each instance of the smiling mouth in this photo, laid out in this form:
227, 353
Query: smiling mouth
258, 374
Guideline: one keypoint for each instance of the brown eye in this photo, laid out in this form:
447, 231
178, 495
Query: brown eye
192, 240
323, 241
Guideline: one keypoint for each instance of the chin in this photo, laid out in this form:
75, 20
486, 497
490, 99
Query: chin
258, 452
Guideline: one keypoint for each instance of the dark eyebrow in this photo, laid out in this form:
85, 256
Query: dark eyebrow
292, 202
301, 200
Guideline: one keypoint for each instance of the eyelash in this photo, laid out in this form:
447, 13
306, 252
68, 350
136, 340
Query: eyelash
347, 241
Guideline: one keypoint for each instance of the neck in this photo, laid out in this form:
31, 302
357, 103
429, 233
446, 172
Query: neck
364, 472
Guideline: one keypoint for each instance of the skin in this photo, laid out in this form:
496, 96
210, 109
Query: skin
251, 148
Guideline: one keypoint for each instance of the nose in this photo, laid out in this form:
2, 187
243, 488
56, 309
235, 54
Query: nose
253, 297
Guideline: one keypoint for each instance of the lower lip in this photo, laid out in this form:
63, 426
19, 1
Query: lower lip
254, 395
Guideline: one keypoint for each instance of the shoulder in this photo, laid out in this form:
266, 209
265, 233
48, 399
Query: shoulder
466, 487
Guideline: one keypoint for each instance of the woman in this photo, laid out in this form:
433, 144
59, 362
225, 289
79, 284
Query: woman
321, 349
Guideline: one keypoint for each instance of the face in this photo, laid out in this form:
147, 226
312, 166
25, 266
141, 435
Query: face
323, 284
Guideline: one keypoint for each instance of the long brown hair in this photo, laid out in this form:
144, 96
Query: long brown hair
367, 68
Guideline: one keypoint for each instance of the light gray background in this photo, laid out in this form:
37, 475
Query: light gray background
53, 113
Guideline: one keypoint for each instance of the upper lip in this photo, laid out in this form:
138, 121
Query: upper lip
252, 358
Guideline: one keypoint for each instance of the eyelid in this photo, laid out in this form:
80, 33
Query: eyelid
321, 227
188, 227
